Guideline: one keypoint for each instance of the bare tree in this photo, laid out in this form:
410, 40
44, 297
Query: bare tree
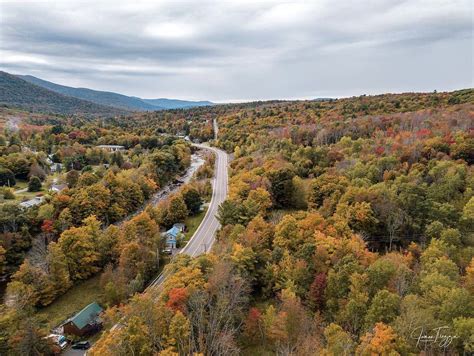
216, 313
395, 221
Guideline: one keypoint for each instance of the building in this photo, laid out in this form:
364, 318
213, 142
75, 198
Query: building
32, 202
111, 148
87, 321
172, 236
180, 226
58, 187
56, 167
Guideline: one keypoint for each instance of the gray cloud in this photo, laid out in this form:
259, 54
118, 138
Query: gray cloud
241, 50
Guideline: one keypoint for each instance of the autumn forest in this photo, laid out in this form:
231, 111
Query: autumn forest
348, 227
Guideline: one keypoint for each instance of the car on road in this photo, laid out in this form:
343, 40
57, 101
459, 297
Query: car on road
81, 345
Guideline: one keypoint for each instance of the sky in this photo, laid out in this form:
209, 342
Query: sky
244, 50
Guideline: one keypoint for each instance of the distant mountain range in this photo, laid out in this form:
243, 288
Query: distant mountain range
35, 94
114, 99
16, 92
175, 103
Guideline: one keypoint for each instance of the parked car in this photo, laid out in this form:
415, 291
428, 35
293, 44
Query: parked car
59, 340
81, 345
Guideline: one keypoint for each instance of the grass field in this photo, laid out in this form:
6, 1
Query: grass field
20, 184
192, 223
71, 302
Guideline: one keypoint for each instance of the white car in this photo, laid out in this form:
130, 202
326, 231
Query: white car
60, 340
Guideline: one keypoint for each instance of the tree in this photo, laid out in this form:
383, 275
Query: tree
7, 177
3, 259
72, 178
257, 202
193, 200
469, 277
136, 339
281, 187
353, 312
117, 158
36, 170
79, 245
300, 193
92, 200
463, 329
286, 234
381, 341
177, 298
230, 213
384, 308
28, 339
338, 342
179, 333
253, 329
34, 277
8, 194
34, 185
176, 210
58, 269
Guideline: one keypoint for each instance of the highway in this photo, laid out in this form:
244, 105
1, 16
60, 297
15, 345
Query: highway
203, 238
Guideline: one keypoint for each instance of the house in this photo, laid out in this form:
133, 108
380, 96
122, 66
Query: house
180, 226
32, 202
53, 167
56, 167
58, 187
173, 234
87, 321
112, 148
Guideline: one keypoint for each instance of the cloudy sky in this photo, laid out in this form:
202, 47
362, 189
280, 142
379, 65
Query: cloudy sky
241, 50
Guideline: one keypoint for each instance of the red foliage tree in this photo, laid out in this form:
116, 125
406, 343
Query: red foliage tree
316, 290
47, 226
253, 324
177, 299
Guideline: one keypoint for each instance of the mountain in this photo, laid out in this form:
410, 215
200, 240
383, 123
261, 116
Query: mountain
16, 92
114, 99
176, 104
96, 96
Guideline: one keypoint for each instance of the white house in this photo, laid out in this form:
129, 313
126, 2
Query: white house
32, 202
57, 187
112, 148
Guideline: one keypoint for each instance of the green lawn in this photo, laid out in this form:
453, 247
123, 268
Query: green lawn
192, 223
20, 184
73, 301
27, 195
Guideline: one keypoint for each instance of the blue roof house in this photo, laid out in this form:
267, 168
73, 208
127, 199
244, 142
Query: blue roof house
171, 237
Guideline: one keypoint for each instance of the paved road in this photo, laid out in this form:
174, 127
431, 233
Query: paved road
203, 238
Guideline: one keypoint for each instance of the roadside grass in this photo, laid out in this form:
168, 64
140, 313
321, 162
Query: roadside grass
20, 184
76, 298
27, 195
192, 223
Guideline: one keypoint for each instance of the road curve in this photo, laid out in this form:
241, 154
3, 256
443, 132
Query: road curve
203, 238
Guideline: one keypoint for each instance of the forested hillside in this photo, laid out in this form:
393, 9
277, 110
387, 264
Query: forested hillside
114, 99
95, 96
349, 228
18, 93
